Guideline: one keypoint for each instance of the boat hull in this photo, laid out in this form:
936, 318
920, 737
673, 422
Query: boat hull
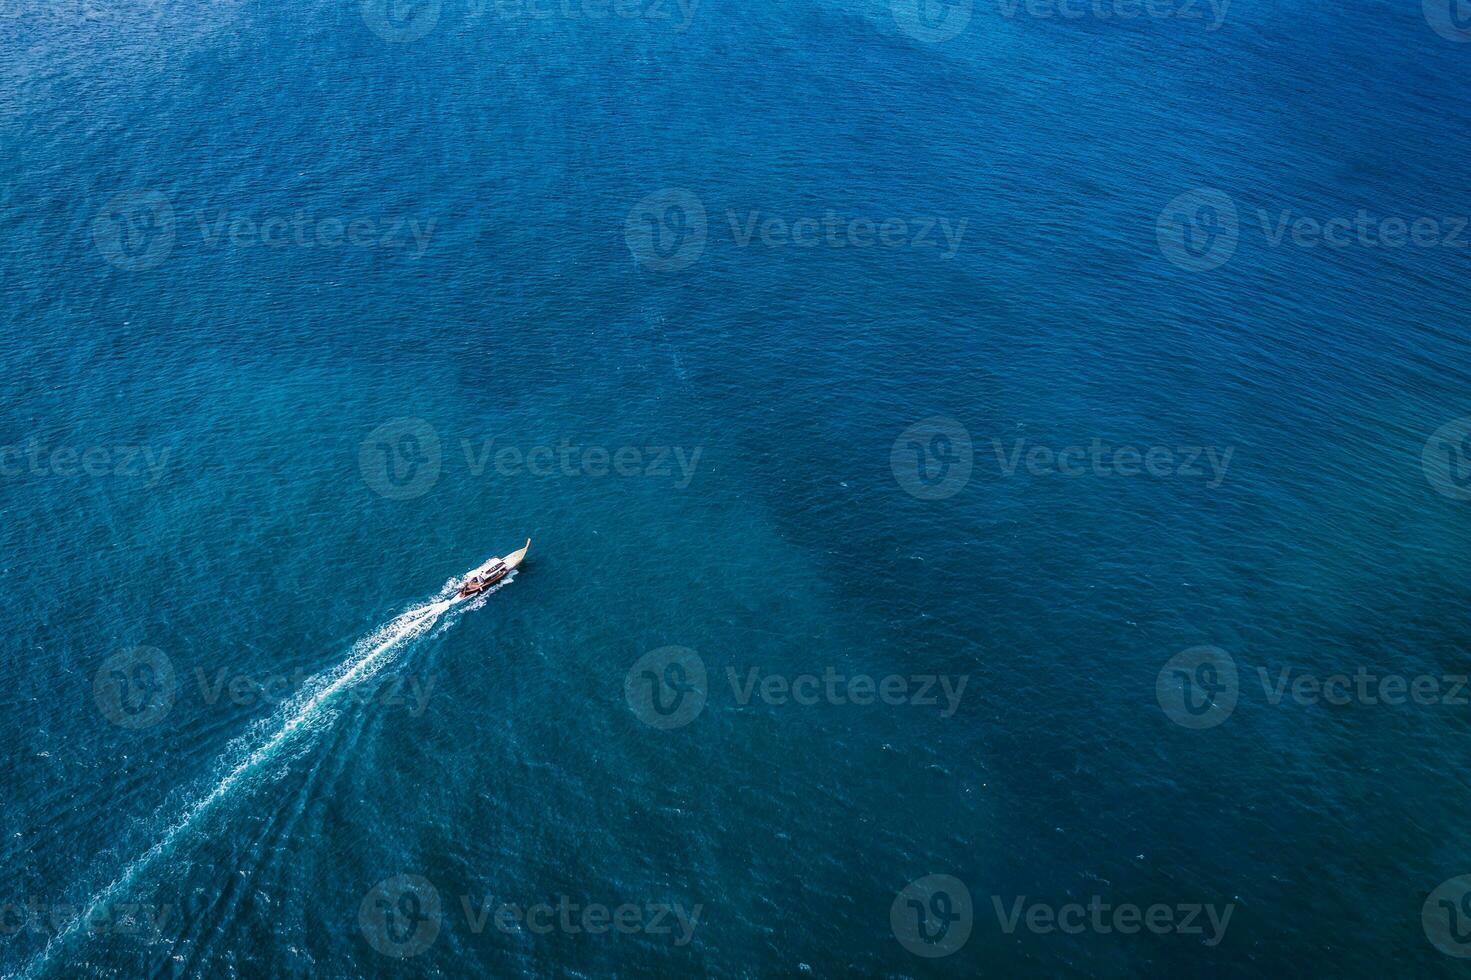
466, 591
492, 572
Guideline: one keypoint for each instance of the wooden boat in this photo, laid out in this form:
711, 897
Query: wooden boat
492, 572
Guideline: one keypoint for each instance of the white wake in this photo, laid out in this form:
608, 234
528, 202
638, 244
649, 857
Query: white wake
296, 715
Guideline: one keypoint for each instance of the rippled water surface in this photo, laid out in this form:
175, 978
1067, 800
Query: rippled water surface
946, 450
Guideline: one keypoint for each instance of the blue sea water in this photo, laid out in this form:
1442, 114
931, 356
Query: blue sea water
489, 309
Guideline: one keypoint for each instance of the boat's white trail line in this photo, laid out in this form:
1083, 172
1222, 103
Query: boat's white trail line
367, 658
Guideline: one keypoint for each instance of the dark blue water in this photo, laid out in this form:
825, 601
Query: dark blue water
308, 311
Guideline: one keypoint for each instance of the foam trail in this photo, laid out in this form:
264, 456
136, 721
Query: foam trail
368, 656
